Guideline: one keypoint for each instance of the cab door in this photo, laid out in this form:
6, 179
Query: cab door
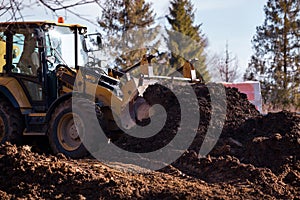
27, 68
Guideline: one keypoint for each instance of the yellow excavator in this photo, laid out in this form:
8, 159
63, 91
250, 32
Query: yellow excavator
42, 63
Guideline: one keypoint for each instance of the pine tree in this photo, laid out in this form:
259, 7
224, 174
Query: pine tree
127, 25
185, 40
277, 53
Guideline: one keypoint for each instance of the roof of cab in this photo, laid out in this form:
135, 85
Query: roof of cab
39, 23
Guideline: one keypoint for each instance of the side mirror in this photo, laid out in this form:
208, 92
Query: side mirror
92, 42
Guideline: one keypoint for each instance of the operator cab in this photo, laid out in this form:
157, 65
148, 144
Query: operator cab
31, 52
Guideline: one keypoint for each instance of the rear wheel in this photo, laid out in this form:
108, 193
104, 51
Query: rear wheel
11, 123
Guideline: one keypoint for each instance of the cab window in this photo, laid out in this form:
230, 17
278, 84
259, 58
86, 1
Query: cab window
26, 59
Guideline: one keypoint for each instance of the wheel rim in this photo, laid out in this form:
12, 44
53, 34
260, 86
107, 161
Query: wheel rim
2, 129
67, 133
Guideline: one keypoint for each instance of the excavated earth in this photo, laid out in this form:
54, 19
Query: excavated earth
255, 157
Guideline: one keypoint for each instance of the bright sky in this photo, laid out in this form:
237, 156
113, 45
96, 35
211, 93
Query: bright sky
231, 20
234, 21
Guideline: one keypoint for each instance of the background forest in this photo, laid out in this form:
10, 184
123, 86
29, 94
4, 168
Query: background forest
276, 43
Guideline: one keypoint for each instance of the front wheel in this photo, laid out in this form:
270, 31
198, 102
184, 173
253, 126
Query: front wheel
66, 124
62, 133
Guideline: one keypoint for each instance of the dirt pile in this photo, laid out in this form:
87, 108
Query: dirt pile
264, 141
233, 107
251, 147
230, 170
255, 157
29, 175
270, 141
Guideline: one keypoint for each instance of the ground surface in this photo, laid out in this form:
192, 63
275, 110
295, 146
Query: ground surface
256, 157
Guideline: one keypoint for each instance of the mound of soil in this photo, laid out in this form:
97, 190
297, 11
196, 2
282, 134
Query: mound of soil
255, 157
30, 175
272, 141
251, 146
233, 107
230, 170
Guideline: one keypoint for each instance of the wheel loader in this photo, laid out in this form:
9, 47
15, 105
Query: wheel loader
42, 63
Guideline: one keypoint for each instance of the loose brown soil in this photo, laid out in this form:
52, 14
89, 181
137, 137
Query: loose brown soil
256, 157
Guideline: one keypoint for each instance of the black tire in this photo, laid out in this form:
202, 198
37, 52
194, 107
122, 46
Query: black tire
63, 135
11, 123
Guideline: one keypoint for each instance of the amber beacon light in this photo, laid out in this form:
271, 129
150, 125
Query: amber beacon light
60, 20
